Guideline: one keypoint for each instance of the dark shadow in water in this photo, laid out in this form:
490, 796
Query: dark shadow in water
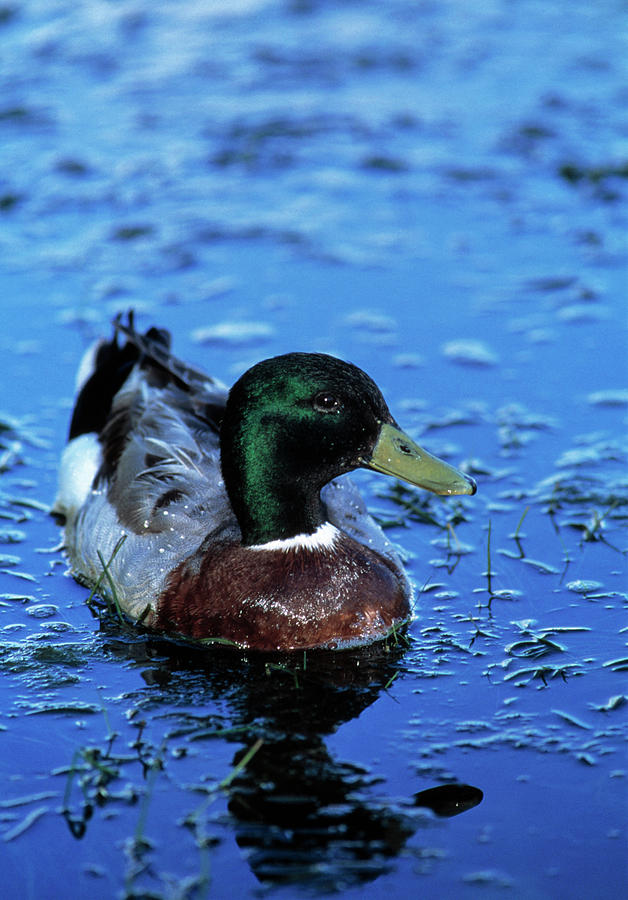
300, 816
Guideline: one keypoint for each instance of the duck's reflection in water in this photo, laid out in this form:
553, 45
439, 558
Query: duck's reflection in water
303, 817
299, 815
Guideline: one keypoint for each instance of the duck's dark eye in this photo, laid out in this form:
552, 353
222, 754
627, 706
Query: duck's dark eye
326, 402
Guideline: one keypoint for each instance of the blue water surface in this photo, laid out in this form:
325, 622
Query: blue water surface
437, 192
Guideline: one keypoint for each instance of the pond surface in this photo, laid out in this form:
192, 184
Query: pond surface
436, 192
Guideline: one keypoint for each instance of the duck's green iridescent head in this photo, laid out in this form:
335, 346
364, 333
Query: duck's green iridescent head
293, 423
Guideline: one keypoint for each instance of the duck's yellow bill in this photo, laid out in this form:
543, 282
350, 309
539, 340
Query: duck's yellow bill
396, 454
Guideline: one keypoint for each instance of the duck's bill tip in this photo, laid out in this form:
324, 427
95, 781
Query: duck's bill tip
463, 484
473, 487
398, 455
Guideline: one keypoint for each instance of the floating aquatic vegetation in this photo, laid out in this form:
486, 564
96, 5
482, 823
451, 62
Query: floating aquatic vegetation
582, 586
408, 360
278, 142
19, 598
452, 544
369, 320
10, 455
28, 502
96, 770
544, 673
216, 288
544, 568
234, 333
381, 163
25, 576
572, 720
10, 445
603, 178
535, 646
550, 283
95, 774
612, 397
601, 451
9, 559
132, 232
516, 415
617, 665
12, 515
574, 173
506, 594
58, 708
451, 417
583, 312
15, 430
470, 353
590, 488
23, 826
491, 878
420, 507
28, 798
612, 703
42, 610
517, 426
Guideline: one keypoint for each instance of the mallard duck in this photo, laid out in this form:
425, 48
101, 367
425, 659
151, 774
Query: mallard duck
216, 514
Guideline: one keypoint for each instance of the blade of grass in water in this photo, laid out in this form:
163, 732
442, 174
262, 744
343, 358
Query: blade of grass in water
248, 756
520, 523
107, 574
101, 577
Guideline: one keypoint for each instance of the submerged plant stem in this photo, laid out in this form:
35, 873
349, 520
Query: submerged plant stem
248, 756
520, 523
489, 571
